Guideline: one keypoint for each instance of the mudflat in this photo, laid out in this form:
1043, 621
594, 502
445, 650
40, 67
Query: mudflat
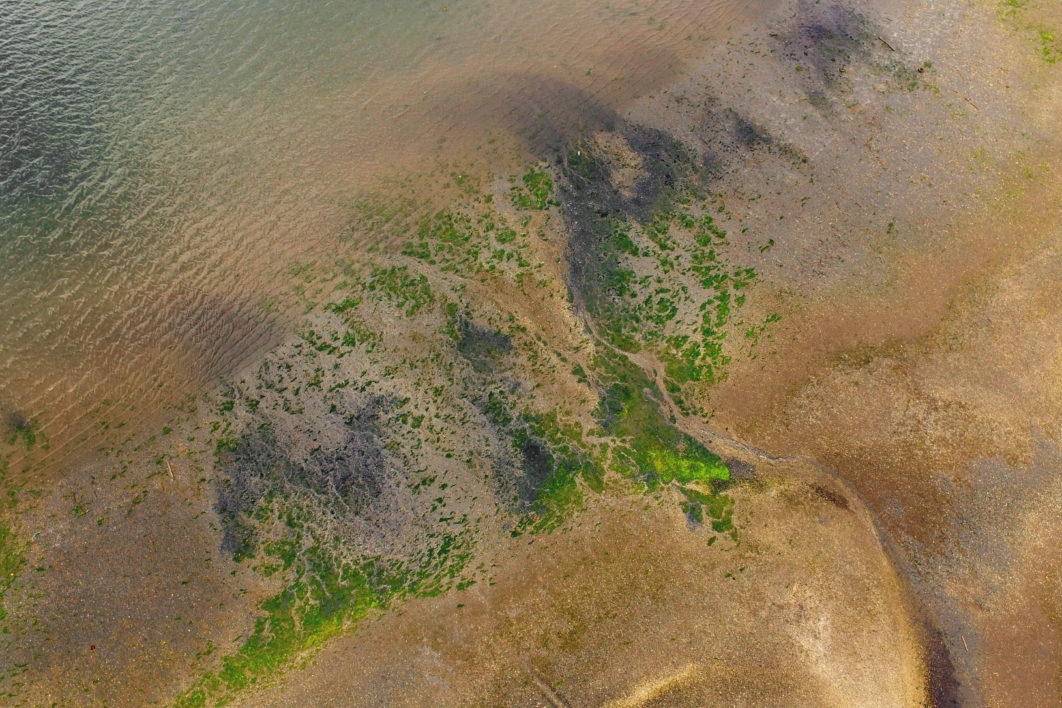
740, 388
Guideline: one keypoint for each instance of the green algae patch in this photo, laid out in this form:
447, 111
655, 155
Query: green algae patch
1050, 48
559, 466
293, 514
535, 192
719, 508
26, 431
556, 498
556, 464
651, 276
327, 591
572, 469
470, 240
12, 560
670, 466
409, 293
651, 450
650, 267
325, 596
1022, 14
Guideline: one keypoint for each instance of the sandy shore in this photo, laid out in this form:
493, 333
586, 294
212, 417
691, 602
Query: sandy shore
891, 173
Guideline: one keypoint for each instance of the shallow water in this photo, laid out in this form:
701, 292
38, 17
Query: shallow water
161, 164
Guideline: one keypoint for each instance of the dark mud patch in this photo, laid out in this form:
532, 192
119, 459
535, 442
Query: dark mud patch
343, 476
527, 464
537, 464
17, 422
747, 134
665, 162
351, 473
824, 41
729, 138
21, 430
944, 688
599, 198
740, 471
541, 465
593, 206
827, 42
483, 347
250, 471
836, 498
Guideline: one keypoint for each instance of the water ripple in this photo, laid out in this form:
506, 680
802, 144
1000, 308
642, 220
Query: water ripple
162, 163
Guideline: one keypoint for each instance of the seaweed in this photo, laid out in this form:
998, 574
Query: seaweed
27, 431
554, 462
535, 192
